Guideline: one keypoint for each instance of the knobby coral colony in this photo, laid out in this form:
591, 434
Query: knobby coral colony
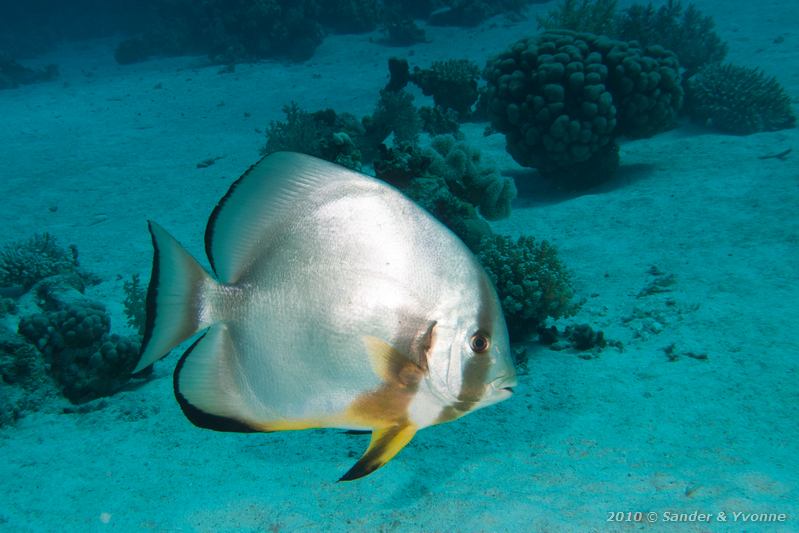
563, 98
66, 343
84, 358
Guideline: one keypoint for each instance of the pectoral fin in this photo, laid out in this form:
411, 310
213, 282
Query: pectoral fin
392, 366
385, 444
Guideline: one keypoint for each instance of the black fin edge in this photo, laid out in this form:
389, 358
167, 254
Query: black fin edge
199, 417
359, 470
209, 228
152, 293
370, 461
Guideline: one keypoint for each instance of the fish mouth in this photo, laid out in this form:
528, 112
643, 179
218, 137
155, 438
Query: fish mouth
505, 392
505, 382
503, 387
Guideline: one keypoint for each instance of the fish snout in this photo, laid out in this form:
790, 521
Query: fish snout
502, 388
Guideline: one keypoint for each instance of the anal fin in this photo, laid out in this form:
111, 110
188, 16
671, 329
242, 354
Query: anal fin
205, 387
385, 444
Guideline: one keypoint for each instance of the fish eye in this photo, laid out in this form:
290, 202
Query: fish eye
479, 343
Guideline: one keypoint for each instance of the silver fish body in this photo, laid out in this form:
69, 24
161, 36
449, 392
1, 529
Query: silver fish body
335, 302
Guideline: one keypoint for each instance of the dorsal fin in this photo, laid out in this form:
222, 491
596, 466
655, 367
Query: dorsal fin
241, 224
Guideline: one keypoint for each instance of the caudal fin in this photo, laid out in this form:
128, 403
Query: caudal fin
175, 297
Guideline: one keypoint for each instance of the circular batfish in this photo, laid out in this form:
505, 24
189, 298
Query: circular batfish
334, 302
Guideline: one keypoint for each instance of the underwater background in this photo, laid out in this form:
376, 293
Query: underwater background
625, 172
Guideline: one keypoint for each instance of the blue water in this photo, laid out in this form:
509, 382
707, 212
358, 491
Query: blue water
680, 415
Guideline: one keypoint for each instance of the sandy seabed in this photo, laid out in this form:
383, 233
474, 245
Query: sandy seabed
91, 157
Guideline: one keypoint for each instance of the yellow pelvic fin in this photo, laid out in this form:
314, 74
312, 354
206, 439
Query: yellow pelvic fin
385, 444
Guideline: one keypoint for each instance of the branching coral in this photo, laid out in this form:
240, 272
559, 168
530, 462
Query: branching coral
134, 303
23, 263
448, 178
451, 83
686, 32
593, 16
324, 134
340, 137
393, 114
739, 100
438, 121
531, 281
400, 164
298, 133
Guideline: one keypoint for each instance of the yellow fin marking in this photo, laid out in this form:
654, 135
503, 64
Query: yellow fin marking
289, 425
385, 444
